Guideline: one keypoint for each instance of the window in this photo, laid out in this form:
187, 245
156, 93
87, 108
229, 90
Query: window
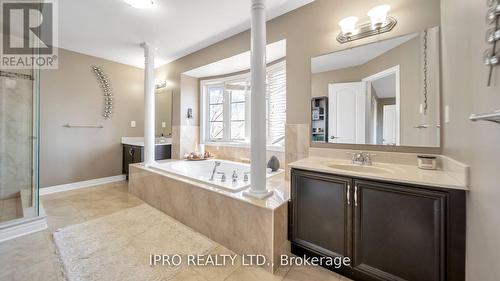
226, 107
216, 111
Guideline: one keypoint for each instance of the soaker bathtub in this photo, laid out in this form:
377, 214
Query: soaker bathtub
202, 170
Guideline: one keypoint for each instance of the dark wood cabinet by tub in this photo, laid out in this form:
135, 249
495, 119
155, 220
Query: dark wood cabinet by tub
390, 231
135, 154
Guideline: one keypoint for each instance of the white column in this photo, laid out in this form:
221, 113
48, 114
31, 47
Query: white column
258, 101
149, 104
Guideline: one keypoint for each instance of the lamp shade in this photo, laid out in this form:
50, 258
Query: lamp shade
348, 25
378, 15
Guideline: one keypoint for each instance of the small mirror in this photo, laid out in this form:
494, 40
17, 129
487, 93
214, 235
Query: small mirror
384, 93
163, 113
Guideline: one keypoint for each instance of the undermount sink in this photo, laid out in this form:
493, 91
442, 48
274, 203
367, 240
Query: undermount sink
360, 168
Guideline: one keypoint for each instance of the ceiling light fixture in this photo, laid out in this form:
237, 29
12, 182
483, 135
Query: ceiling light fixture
140, 4
379, 23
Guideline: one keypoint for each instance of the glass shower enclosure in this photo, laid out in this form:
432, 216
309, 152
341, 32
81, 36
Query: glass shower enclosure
19, 135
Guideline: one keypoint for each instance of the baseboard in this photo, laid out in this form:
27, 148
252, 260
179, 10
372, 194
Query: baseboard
23, 228
80, 184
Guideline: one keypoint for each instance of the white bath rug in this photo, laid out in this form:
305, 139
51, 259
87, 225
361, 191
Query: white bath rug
118, 246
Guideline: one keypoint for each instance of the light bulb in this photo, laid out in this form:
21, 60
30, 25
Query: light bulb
348, 26
378, 15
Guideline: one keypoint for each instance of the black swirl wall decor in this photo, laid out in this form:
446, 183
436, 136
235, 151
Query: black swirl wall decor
107, 91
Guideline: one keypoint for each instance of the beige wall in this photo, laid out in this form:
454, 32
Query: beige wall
477, 144
72, 95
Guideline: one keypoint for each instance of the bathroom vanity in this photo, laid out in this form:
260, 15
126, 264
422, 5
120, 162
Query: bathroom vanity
133, 151
394, 222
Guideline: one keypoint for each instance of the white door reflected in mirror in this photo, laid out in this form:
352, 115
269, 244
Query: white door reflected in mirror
389, 125
347, 111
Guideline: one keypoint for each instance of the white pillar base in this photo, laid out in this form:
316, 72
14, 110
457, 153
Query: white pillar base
259, 195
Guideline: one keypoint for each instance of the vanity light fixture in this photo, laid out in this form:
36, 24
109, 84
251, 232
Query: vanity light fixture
140, 4
379, 23
348, 26
378, 16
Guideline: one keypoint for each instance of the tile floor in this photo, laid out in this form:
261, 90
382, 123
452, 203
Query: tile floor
32, 257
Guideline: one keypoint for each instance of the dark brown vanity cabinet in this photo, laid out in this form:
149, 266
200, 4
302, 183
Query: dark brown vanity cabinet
135, 154
389, 231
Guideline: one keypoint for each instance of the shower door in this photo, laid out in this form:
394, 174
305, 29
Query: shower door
18, 145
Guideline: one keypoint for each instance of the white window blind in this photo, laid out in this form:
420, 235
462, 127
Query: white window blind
276, 90
226, 104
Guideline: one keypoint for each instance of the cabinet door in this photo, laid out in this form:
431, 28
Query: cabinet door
126, 158
163, 152
137, 154
320, 212
399, 232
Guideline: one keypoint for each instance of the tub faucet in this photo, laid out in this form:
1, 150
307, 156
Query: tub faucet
245, 179
235, 176
216, 164
223, 176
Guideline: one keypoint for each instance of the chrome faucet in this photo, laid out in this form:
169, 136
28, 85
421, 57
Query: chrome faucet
245, 178
235, 175
216, 164
223, 176
362, 158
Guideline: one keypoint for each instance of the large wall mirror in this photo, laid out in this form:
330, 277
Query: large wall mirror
163, 113
383, 93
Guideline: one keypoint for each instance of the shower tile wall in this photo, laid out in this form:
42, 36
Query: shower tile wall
16, 114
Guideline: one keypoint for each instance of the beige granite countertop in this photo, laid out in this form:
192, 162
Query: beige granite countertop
391, 172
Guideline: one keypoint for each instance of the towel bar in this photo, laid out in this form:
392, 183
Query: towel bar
492, 117
83, 126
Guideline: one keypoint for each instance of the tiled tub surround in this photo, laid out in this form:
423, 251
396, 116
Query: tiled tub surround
296, 143
241, 154
189, 134
244, 225
402, 166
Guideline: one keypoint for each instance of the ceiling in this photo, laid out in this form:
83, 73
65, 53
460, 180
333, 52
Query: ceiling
385, 87
113, 30
239, 62
356, 56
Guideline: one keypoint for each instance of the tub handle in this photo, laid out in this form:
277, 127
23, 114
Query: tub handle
223, 178
235, 175
245, 178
